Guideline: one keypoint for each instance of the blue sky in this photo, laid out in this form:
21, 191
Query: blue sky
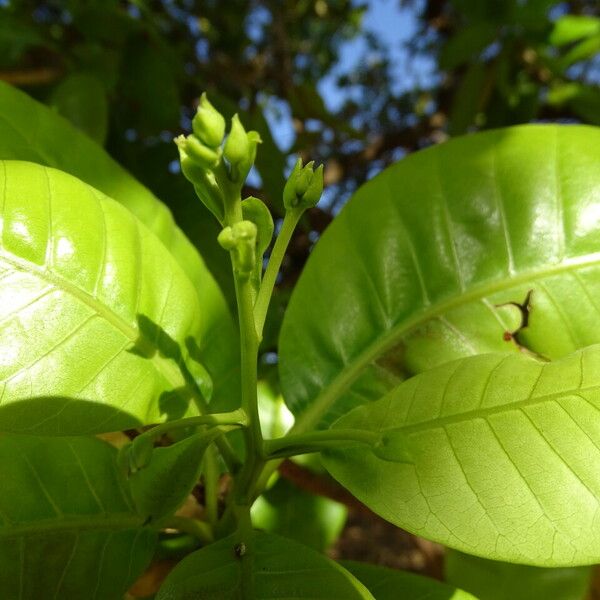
394, 26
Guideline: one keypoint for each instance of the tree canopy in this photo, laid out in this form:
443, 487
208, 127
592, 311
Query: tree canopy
130, 73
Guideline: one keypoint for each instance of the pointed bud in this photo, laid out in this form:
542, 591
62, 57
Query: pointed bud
304, 186
253, 140
208, 123
202, 179
201, 154
315, 189
237, 145
303, 178
240, 150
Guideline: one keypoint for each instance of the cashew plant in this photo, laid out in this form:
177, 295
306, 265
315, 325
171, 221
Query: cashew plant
439, 353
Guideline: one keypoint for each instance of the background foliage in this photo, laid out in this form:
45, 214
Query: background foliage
323, 79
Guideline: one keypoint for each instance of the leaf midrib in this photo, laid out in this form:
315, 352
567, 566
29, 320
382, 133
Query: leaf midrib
482, 413
96, 522
166, 367
311, 417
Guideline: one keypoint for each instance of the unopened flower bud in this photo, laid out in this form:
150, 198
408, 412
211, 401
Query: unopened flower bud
237, 144
208, 123
240, 150
315, 189
304, 186
200, 153
202, 179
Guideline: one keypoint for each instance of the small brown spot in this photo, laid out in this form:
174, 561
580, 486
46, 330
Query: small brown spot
507, 336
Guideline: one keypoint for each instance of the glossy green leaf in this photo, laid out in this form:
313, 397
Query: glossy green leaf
31, 131
423, 263
81, 98
497, 455
68, 529
161, 486
391, 584
275, 417
495, 580
289, 511
282, 569
96, 316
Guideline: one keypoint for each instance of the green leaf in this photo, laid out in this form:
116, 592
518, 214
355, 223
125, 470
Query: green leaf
391, 584
31, 131
419, 266
494, 580
282, 569
293, 513
571, 28
275, 416
96, 316
496, 455
68, 529
81, 98
161, 486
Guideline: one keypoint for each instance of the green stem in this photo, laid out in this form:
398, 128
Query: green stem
265, 292
249, 342
315, 441
244, 550
211, 485
235, 418
249, 358
227, 452
245, 479
194, 527
232, 201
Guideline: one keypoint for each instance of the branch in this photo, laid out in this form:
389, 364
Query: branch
39, 76
321, 486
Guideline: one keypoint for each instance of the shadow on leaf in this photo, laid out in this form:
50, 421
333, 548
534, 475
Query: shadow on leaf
152, 340
57, 415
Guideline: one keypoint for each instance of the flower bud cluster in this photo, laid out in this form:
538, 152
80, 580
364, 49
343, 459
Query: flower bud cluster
304, 186
214, 167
